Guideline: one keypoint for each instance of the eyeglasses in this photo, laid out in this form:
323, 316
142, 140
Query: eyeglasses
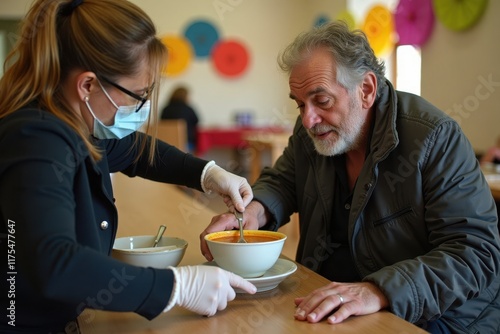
140, 99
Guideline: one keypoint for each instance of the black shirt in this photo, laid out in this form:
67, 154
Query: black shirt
339, 266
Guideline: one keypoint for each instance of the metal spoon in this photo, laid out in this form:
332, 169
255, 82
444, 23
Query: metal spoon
239, 216
159, 235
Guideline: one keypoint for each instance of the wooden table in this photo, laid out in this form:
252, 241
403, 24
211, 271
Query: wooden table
275, 143
260, 142
153, 204
492, 176
494, 184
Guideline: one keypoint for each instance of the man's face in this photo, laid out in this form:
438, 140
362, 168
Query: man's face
332, 117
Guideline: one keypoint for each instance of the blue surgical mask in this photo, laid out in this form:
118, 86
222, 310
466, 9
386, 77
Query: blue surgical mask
126, 121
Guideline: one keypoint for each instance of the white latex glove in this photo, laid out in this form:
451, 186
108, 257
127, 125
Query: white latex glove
205, 289
225, 183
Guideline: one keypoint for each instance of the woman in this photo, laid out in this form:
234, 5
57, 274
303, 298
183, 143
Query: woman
179, 108
81, 80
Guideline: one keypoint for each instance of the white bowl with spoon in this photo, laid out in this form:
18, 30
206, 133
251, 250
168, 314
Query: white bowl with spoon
139, 251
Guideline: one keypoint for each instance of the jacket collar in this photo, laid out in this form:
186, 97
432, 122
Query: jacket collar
384, 136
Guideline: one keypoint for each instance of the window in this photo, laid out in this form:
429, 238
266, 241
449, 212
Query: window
403, 63
408, 69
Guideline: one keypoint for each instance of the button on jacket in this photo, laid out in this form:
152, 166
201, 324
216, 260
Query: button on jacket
423, 224
60, 205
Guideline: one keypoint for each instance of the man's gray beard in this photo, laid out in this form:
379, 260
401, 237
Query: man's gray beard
325, 147
341, 146
347, 138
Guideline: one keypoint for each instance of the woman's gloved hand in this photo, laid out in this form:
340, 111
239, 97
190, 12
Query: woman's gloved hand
234, 189
205, 289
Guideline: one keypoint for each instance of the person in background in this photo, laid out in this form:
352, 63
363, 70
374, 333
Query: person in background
492, 155
178, 108
82, 78
393, 207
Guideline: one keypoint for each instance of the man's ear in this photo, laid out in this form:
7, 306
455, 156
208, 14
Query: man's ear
86, 84
368, 90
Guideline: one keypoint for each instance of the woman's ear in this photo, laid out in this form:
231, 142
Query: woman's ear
368, 90
86, 84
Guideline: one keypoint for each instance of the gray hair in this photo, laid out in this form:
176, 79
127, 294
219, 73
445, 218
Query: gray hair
350, 50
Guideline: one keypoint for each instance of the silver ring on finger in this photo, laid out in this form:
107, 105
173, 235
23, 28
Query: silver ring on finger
341, 298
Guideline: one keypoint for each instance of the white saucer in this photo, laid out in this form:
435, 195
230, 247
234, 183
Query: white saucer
271, 278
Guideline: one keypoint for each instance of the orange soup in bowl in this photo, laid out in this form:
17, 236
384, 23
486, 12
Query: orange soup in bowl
248, 238
250, 259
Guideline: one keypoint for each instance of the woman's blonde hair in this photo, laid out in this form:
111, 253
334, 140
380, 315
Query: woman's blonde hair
108, 37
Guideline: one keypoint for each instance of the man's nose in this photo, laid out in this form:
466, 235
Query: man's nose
310, 117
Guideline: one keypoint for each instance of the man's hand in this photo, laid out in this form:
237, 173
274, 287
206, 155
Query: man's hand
346, 298
253, 218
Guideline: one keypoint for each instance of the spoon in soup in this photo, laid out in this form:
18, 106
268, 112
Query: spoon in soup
161, 230
239, 217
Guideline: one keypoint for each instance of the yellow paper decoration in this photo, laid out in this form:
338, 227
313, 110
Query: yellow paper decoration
347, 17
179, 55
379, 29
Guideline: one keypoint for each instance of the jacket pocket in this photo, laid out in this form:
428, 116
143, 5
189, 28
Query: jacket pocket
395, 215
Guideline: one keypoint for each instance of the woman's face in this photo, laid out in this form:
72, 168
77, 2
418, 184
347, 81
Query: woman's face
107, 97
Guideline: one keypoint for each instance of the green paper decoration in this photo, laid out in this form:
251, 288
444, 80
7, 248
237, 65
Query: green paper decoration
459, 15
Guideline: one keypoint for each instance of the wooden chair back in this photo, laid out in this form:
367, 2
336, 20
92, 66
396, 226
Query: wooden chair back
174, 132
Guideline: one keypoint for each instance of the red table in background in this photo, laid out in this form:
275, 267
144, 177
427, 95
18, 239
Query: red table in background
229, 137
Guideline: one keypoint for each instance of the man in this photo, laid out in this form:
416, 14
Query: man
393, 206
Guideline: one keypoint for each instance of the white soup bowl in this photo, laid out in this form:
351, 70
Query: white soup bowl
138, 251
251, 259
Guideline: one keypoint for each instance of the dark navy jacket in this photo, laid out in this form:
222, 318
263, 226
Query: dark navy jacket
59, 222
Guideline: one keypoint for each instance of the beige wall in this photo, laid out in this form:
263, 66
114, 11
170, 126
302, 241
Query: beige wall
456, 66
461, 75
265, 26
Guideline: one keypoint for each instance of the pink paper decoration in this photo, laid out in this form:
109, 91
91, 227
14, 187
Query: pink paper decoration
414, 21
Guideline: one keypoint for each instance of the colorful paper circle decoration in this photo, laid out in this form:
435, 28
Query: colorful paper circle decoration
320, 20
230, 58
203, 36
379, 27
179, 55
414, 21
347, 17
459, 14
